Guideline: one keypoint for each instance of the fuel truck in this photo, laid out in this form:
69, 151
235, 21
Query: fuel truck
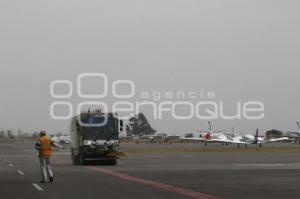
95, 136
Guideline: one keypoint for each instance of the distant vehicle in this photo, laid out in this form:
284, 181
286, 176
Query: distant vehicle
93, 142
173, 138
143, 138
157, 138
65, 139
160, 138
188, 135
295, 135
54, 138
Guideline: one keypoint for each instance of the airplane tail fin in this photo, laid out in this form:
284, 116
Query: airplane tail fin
256, 136
298, 125
209, 124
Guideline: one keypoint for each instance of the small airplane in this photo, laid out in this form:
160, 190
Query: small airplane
210, 136
295, 135
218, 136
254, 139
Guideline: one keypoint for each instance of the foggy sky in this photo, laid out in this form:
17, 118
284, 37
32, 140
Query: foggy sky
240, 49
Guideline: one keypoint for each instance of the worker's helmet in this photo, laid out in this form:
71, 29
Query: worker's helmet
42, 133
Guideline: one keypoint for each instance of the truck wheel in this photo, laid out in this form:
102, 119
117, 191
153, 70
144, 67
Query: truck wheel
75, 158
113, 162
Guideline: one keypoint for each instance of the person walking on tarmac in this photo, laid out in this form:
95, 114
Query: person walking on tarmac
44, 147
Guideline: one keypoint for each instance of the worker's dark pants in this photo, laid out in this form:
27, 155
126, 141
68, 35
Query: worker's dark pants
45, 167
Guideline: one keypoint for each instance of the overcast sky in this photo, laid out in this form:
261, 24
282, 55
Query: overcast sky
240, 49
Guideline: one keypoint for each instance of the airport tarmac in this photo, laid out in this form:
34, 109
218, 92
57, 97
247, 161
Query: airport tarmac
154, 174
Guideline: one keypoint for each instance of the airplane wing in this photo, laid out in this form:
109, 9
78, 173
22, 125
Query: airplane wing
193, 139
201, 131
237, 142
219, 131
278, 139
294, 133
206, 140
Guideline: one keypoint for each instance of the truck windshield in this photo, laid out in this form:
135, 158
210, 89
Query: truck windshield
106, 132
99, 133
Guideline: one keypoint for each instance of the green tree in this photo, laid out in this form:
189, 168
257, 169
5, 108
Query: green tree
128, 130
139, 126
10, 134
273, 134
58, 134
19, 134
2, 133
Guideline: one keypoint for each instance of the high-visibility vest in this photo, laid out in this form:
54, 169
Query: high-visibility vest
45, 146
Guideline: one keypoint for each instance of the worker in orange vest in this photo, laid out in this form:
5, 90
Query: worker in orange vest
44, 147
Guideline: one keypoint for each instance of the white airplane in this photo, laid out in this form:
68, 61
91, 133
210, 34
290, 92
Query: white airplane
295, 135
210, 136
254, 139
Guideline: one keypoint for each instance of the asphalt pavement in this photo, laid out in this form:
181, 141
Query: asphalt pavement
152, 175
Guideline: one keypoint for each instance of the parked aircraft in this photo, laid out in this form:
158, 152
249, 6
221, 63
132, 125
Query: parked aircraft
254, 139
295, 135
239, 140
210, 136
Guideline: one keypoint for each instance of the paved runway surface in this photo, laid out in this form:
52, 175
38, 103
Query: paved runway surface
152, 175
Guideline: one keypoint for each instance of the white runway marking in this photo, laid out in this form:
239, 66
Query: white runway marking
4, 160
29, 150
21, 172
37, 187
261, 165
62, 153
11, 165
269, 165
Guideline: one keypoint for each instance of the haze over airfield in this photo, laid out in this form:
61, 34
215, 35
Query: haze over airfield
241, 50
